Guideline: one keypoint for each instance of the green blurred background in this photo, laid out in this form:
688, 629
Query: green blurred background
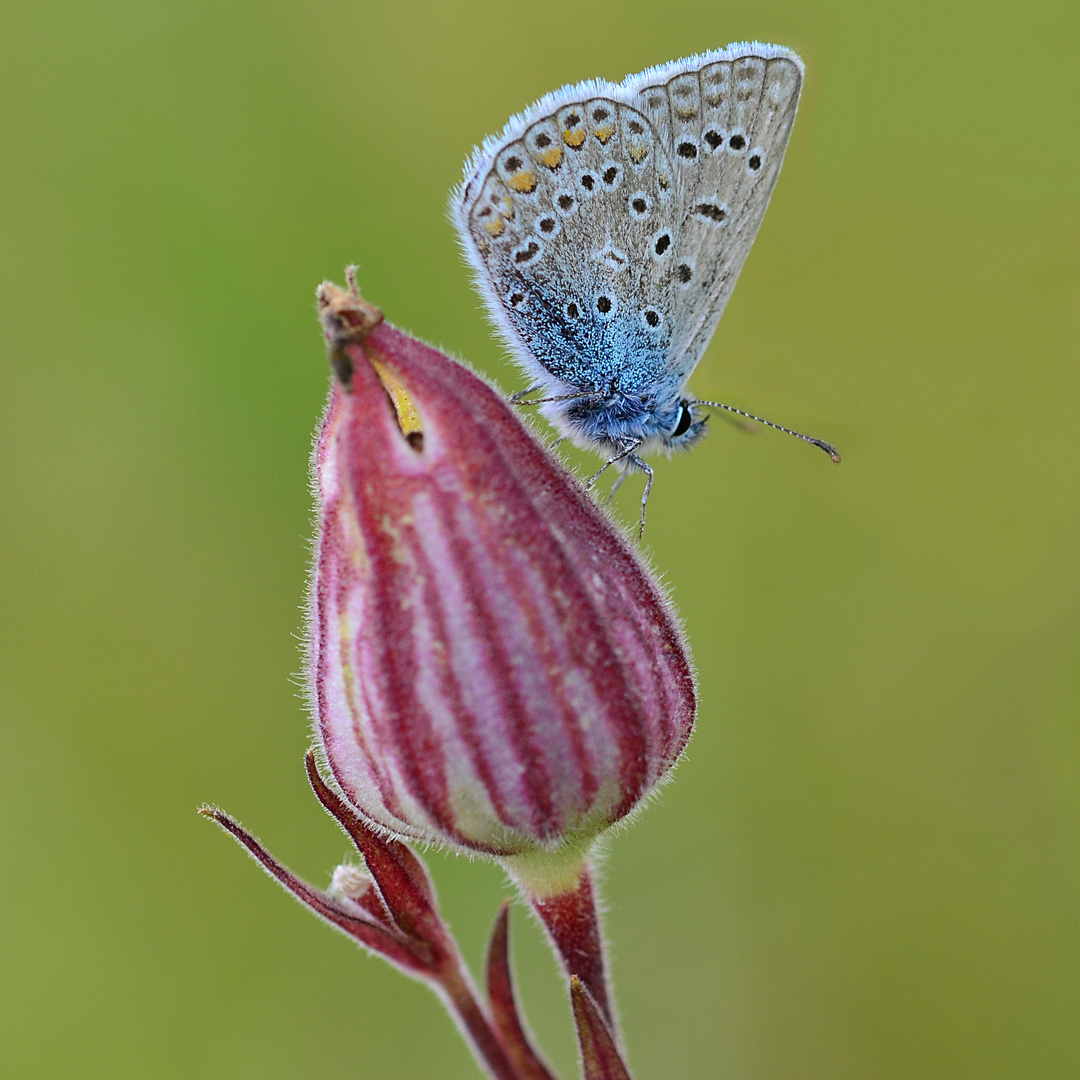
868, 865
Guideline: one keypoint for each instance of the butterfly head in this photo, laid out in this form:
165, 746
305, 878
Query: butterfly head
610, 423
689, 428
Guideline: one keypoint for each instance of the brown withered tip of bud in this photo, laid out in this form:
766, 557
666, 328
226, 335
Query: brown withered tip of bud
347, 318
490, 665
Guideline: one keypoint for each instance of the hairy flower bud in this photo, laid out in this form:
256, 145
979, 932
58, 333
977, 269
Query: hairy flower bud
491, 666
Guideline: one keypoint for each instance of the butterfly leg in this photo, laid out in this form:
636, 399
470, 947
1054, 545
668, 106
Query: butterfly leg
517, 398
646, 468
520, 398
626, 452
615, 487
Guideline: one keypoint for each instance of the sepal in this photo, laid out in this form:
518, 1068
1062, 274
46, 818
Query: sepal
369, 928
504, 1010
600, 1058
400, 878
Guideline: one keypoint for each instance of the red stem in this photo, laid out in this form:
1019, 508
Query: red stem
572, 922
460, 998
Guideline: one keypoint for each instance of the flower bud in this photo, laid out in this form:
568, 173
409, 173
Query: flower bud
490, 665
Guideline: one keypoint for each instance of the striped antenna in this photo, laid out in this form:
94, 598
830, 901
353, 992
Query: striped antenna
829, 449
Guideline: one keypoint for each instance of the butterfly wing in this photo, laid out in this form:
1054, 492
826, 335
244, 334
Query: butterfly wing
608, 223
548, 219
725, 119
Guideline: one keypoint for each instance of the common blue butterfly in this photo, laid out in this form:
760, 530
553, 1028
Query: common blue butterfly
607, 225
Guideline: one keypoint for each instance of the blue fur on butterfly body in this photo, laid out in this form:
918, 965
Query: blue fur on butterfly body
613, 379
615, 421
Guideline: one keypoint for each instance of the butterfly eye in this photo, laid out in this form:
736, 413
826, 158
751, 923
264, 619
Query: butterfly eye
686, 418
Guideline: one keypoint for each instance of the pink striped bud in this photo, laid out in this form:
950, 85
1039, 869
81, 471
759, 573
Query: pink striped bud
491, 665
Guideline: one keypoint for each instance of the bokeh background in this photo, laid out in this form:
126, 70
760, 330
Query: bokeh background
868, 865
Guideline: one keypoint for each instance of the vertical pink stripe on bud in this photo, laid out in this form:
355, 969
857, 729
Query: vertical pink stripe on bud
491, 665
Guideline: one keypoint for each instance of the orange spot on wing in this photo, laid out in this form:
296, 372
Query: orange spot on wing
574, 138
523, 181
551, 157
604, 133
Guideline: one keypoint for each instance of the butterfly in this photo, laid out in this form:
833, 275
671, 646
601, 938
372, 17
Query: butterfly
607, 225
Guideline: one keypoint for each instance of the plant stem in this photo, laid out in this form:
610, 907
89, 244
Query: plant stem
572, 922
460, 998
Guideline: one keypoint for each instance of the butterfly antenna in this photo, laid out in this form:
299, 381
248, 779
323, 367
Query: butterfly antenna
829, 449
